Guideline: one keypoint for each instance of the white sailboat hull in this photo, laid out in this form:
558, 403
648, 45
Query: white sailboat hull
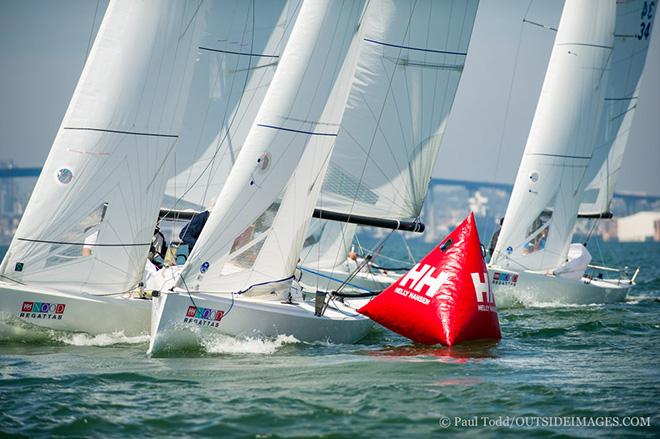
78, 313
530, 288
329, 280
176, 324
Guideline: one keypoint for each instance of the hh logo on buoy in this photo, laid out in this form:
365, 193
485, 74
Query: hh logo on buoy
424, 277
418, 279
485, 297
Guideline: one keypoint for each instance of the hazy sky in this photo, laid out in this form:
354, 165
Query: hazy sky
43, 44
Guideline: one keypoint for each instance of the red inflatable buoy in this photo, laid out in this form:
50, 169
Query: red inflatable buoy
446, 298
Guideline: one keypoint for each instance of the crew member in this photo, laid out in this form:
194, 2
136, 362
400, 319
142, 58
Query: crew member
493, 240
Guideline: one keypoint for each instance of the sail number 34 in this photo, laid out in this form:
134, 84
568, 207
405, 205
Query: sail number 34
648, 10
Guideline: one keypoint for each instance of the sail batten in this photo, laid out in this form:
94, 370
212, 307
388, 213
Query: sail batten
131, 133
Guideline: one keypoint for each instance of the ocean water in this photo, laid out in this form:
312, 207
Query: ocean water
582, 371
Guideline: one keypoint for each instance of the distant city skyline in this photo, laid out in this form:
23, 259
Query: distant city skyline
44, 45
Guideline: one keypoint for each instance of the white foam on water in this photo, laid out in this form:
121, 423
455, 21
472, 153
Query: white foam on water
224, 344
635, 300
17, 331
102, 339
561, 305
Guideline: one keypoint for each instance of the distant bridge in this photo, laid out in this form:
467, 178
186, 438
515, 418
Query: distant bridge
468, 184
19, 172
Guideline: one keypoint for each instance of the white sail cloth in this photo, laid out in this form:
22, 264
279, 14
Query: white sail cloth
89, 222
539, 221
255, 233
634, 19
410, 63
239, 53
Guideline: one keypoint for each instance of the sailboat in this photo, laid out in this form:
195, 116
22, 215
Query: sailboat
82, 243
406, 79
574, 149
238, 54
239, 280
239, 277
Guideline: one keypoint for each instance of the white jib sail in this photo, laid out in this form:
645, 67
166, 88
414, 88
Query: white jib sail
538, 224
239, 53
90, 219
256, 230
634, 19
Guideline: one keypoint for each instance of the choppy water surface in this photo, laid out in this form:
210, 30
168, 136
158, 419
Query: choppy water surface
598, 364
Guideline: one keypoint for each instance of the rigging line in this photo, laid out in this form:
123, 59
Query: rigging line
192, 18
91, 31
508, 98
182, 278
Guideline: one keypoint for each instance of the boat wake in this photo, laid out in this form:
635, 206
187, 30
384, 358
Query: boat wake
16, 331
224, 344
115, 338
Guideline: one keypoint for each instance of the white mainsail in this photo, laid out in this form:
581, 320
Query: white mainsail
89, 222
411, 60
634, 19
259, 222
410, 64
239, 53
542, 212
